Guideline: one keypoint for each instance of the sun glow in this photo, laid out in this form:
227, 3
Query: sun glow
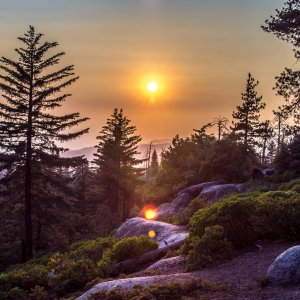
149, 212
152, 86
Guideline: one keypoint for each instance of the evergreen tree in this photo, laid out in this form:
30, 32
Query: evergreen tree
154, 167
116, 162
286, 24
271, 152
265, 133
28, 129
247, 115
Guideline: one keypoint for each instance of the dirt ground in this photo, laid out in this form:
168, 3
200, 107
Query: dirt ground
239, 276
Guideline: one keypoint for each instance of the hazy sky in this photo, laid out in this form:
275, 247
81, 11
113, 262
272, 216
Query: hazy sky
198, 51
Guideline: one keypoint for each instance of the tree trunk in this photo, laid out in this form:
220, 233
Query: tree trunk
132, 264
279, 134
264, 151
246, 132
28, 179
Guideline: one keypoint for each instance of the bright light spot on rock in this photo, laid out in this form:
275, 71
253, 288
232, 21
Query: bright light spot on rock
150, 214
151, 233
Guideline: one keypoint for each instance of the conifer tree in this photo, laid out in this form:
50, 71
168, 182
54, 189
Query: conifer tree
286, 26
247, 115
31, 88
265, 133
154, 167
116, 162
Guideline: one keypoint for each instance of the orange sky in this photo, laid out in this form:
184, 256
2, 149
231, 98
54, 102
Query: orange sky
199, 51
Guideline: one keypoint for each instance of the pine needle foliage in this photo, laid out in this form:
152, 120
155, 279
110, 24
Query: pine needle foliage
247, 115
32, 87
116, 162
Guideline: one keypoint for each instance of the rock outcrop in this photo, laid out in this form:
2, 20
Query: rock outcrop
182, 200
210, 192
214, 193
285, 270
129, 283
169, 265
165, 233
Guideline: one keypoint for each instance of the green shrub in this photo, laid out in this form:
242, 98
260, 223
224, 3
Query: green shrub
24, 279
60, 273
278, 216
233, 214
92, 249
247, 218
289, 185
184, 216
131, 247
15, 294
125, 249
73, 275
211, 247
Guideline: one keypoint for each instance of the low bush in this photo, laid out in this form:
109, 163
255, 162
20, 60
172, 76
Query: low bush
92, 249
58, 274
246, 218
211, 247
18, 284
73, 275
184, 216
124, 249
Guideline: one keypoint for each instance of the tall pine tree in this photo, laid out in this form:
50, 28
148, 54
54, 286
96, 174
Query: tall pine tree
31, 88
116, 162
154, 166
247, 115
286, 26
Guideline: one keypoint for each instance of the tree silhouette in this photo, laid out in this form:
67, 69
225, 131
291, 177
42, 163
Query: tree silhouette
221, 123
116, 162
154, 166
265, 133
247, 115
285, 25
28, 129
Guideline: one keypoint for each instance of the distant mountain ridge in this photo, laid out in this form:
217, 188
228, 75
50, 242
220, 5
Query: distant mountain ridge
88, 152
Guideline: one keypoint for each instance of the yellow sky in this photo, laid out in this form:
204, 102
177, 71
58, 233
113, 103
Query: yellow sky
198, 51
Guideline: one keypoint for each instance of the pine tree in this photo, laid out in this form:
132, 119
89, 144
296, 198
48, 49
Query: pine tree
28, 130
116, 163
247, 115
265, 133
154, 167
286, 24
271, 152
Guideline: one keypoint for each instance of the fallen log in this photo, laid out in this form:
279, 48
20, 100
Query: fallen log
128, 265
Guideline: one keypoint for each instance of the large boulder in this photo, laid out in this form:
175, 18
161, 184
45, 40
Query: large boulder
286, 268
165, 233
214, 193
169, 265
182, 200
129, 283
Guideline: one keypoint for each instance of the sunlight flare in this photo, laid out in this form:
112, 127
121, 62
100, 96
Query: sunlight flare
152, 86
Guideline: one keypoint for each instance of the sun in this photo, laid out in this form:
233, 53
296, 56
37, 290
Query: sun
152, 86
